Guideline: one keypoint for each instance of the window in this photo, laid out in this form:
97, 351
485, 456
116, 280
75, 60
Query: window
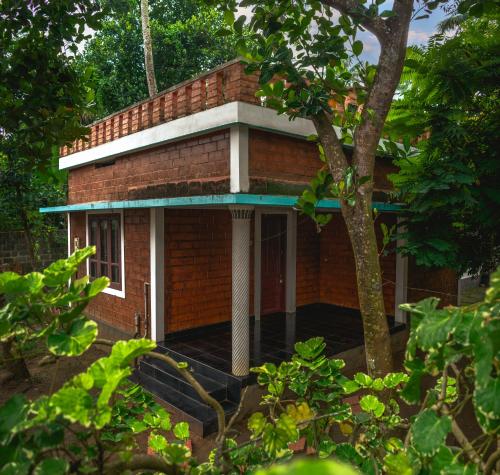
104, 232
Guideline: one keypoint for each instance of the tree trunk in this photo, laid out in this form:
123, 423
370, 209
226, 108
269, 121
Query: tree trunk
148, 49
15, 365
360, 226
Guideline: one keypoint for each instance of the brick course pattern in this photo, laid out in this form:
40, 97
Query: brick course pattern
279, 159
197, 268
227, 83
308, 247
338, 271
15, 257
198, 165
115, 311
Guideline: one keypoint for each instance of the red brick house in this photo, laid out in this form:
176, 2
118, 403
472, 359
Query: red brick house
189, 198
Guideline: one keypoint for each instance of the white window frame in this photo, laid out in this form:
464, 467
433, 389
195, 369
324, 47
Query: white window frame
108, 290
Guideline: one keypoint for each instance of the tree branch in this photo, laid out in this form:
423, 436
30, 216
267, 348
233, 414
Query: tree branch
206, 398
376, 25
491, 462
331, 144
378, 102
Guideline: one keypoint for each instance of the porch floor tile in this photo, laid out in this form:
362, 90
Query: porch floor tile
273, 337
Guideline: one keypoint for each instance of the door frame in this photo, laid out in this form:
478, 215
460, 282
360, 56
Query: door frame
291, 258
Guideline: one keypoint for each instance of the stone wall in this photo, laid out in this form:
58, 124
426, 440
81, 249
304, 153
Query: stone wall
14, 255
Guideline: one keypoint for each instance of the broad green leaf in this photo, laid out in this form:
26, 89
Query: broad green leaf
487, 401
392, 380
363, 380
350, 387
157, 442
81, 334
123, 352
181, 430
357, 47
309, 467
429, 431
397, 464
310, 349
12, 414
371, 404
176, 454
74, 404
52, 466
97, 286
256, 423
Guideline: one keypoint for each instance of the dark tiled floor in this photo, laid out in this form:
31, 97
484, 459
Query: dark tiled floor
272, 338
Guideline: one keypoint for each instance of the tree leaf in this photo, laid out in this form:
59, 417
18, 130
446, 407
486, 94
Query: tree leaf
81, 334
429, 431
181, 430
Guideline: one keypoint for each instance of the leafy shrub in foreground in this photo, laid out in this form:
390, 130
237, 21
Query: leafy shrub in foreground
92, 423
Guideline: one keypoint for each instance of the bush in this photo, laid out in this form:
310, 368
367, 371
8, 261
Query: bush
91, 424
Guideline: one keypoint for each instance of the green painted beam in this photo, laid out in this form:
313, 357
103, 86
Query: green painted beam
207, 200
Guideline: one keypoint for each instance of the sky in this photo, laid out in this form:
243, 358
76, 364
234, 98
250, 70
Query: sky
420, 31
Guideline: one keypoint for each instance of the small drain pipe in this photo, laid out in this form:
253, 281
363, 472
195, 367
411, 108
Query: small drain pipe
147, 286
137, 324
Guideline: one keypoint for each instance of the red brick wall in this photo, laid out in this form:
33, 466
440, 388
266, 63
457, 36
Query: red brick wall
141, 175
197, 268
308, 269
115, 311
275, 157
337, 268
424, 282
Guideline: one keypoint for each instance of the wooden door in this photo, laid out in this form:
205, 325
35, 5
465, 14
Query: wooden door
273, 263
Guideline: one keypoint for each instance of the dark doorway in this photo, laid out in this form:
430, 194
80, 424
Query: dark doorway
273, 263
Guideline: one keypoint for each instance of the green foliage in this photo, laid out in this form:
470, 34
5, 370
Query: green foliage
450, 91
42, 100
48, 306
184, 41
92, 422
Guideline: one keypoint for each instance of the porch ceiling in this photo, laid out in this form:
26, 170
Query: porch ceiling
208, 200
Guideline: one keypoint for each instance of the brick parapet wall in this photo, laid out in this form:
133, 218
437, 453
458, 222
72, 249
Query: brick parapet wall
14, 254
227, 83
199, 165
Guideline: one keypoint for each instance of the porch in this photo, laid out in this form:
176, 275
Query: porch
272, 338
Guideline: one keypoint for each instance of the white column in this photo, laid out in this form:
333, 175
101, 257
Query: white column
238, 152
291, 262
157, 268
401, 291
241, 289
257, 262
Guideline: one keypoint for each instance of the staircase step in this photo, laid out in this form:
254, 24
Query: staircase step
171, 377
233, 384
202, 418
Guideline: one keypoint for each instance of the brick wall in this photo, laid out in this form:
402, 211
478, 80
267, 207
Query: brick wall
15, 257
196, 166
337, 268
308, 269
197, 268
425, 282
115, 311
286, 160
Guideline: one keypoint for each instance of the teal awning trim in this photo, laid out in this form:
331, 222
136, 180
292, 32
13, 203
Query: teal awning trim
207, 200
